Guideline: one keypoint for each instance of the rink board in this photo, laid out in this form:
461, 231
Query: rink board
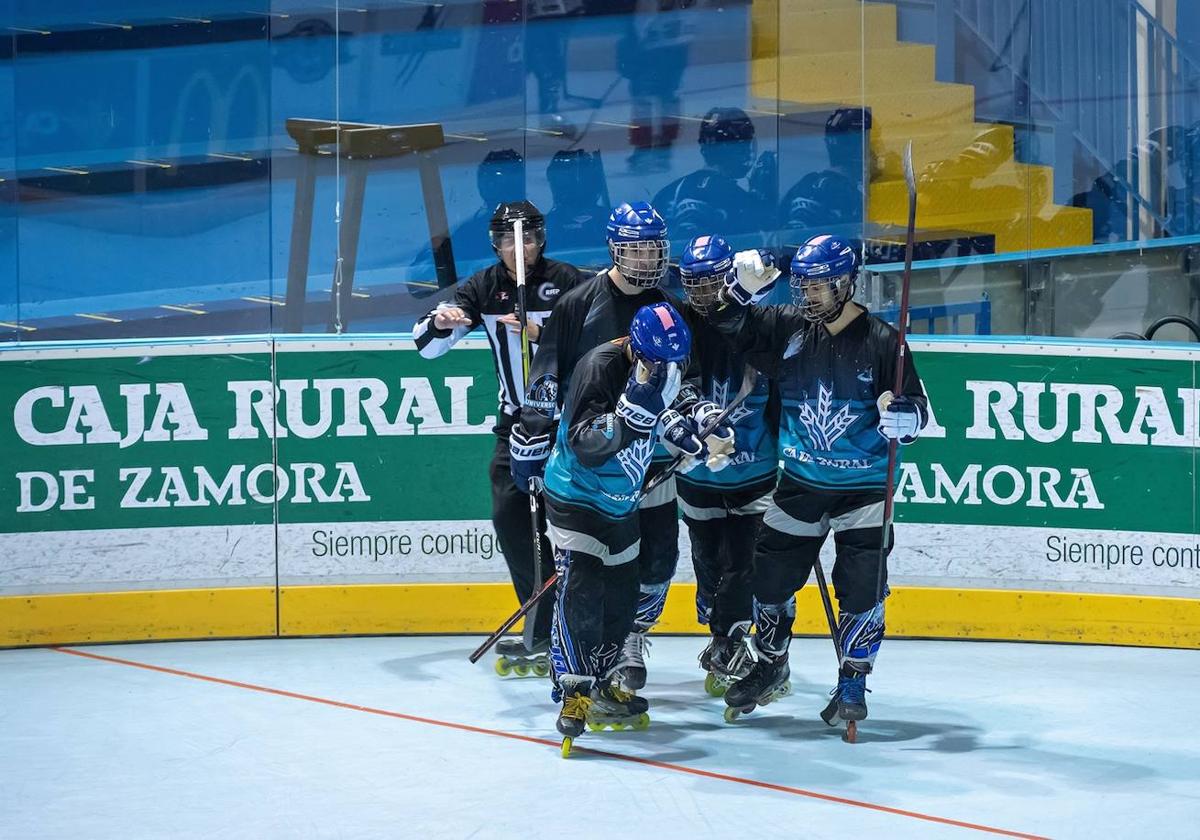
262, 486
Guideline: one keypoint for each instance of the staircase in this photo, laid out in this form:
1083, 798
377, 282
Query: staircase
845, 52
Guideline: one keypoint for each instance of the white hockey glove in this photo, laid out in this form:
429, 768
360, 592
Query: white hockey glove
720, 441
753, 273
899, 418
679, 436
650, 389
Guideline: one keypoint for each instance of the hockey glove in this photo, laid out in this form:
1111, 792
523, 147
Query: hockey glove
527, 456
650, 389
720, 440
753, 273
680, 437
899, 418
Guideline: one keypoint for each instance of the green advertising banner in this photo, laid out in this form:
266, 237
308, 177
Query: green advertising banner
204, 463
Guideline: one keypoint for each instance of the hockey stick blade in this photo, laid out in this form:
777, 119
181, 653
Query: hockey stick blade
748, 380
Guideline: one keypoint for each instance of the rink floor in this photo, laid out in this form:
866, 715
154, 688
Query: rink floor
401, 737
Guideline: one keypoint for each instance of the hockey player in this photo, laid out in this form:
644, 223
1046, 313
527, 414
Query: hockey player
488, 299
596, 311
723, 498
617, 405
833, 362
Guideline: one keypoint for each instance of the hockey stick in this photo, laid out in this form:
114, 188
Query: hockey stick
825, 602
513, 619
910, 180
535, 485
748, 379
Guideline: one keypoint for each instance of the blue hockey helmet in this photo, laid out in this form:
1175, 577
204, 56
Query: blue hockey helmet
659, 334
702, 269
823, 272
637, 242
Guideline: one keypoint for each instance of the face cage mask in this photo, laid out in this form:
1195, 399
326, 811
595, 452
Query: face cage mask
506, 239
702, 291
642, 264
812, 306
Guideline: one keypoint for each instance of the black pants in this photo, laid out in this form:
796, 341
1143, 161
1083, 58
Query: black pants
514, 530
723, 527
593, 611
658, 524
794, 529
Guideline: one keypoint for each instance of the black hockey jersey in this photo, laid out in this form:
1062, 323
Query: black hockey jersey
599, 462
593, 312
829, 385
487, 296
722, 370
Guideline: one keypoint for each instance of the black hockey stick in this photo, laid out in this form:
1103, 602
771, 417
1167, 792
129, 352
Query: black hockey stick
514, 618
910, 180
825, 602
535, 521
748, 380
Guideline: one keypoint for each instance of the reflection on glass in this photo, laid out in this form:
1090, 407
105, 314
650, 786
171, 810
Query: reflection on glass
159, 188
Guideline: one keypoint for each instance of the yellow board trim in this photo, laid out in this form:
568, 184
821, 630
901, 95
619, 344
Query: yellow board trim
137, 616
333, 610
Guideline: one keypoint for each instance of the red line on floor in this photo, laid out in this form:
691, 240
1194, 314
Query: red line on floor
650, 762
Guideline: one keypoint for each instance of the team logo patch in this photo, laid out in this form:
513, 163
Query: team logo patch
548, 292
543, 394
825, 426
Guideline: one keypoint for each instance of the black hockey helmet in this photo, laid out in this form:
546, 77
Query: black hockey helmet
500, 174
727, 141
503, 223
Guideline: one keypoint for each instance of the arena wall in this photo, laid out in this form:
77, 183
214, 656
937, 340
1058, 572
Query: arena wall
182, 489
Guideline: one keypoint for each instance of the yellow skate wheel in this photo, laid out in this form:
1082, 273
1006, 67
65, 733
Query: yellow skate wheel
732, 714
566, 747
541, 669
594, 726
617, 726
642, 722
521, 670
503, 668
713, 686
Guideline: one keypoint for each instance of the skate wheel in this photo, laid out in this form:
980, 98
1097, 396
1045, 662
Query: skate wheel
732, 713
521, 670
566, 747
595, 727
851, 735
541, 669
503, 668
642, 723
617, 726
714, 686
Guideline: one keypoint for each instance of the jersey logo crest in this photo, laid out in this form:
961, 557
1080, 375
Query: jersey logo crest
635, 458
825, 426
720, 396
